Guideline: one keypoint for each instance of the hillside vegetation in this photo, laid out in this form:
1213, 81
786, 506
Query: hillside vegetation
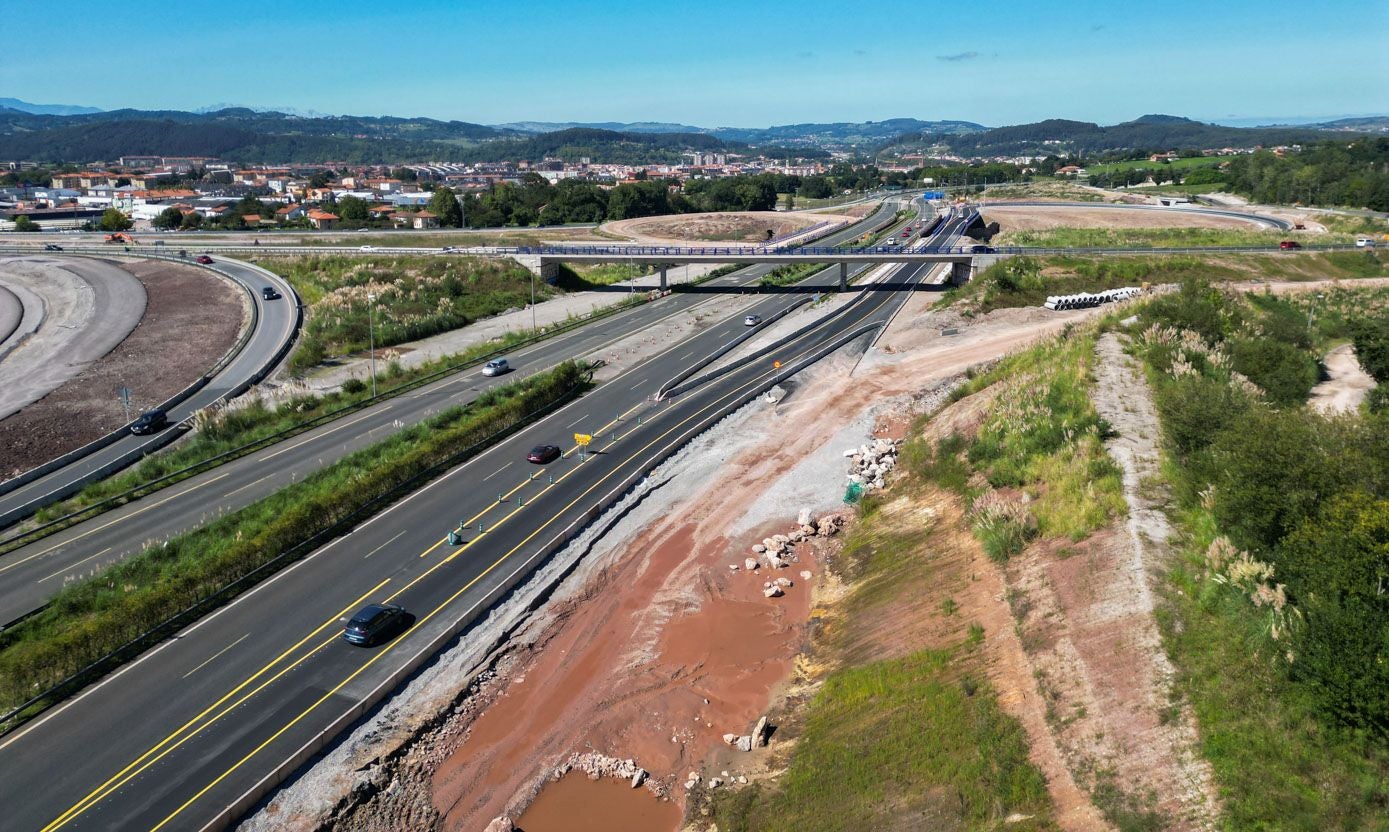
415, 297
1278, 619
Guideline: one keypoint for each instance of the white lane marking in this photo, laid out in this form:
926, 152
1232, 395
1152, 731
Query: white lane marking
576, 421
73, 566
383, 545
248, 485
215, 655
496, 472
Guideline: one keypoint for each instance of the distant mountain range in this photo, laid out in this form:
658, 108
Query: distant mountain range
618, 126
1150, 132
46, 109
841, 134
242, 134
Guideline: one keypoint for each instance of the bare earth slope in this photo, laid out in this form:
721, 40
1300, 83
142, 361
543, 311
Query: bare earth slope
191, 319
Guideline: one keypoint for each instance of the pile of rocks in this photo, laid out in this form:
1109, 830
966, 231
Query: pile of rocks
597, 765
779, 550
757, 739
870, 464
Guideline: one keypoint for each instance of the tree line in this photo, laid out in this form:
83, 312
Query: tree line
535, 201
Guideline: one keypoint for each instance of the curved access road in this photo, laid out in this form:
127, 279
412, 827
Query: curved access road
1257, 219
32, 574
188, 736
272, 332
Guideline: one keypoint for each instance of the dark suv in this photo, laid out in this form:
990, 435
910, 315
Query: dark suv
376, 622
151, 421
269, 293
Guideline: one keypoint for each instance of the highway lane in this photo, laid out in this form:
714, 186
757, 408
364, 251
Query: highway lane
275, 326
181, 733
30, 575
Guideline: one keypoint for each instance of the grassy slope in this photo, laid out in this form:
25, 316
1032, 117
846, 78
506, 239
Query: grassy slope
415, 297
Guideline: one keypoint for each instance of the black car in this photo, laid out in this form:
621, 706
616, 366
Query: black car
269, 293
376, 622
151, 421
52, 247
981, 250
542, 454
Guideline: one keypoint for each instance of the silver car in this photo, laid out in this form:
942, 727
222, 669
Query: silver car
752, 320
496, 367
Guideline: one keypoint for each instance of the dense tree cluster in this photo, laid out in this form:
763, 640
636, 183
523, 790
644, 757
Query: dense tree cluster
536, 201
1305, 495
1326, 173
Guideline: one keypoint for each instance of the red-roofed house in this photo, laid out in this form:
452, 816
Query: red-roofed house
322, 220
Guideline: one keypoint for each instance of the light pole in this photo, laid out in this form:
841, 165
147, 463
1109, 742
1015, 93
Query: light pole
532, 303
371, 334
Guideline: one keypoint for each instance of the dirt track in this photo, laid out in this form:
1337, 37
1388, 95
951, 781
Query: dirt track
730, 226
191, 319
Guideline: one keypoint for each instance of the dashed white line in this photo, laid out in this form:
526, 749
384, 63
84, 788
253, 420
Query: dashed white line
383, 545
215, 655
496, 472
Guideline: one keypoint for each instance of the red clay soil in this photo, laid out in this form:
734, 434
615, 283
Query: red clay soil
578, 804
668, 651
191, 319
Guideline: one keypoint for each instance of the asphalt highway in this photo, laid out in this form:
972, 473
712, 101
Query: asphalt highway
183, 732
30, 575
275, 326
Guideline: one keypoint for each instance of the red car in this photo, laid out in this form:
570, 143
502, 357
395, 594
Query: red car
1289, 244
541, 454
204, 259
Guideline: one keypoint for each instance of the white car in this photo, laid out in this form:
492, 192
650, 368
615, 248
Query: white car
368, 248
496, 367
1365, 242
752, 320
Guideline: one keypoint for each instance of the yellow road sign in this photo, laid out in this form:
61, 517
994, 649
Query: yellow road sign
582, 439
776, 365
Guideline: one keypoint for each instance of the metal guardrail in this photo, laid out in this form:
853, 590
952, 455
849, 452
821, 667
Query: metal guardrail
159, 440
243, 803
77, 680
309, 424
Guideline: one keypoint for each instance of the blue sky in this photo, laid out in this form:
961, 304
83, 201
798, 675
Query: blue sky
710, 62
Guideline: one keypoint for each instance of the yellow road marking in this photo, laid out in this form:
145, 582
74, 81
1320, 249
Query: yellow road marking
126, 774
106, 788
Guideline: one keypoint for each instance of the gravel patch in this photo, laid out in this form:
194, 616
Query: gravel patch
191, 319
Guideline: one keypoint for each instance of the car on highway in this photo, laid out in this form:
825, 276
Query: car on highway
1360, 242
981, 249
151, 421
368, 248
496, 367
542, 454
449, 250
204, 259
1289, 244
269, 293
375, 623
52, 247
752, 320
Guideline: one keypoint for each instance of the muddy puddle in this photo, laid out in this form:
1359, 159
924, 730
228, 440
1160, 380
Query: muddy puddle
575, 803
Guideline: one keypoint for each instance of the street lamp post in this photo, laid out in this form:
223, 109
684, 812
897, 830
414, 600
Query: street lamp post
532, 303
371, 334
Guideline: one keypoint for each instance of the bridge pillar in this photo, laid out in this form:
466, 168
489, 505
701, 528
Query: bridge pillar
542, 267
961, 272
843, 276
663, 278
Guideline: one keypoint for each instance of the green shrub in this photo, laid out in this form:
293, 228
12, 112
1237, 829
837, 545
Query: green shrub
353, 386
1284, 372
